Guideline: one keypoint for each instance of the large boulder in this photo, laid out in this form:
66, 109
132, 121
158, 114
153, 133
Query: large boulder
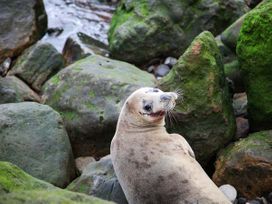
99, 179
13, 90
254, 51
89, 95
142, 30
33, 137
247, 165
22, 23
18, 187
37, 64
205, 117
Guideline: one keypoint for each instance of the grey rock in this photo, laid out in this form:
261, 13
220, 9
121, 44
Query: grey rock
240, 104
4, 66
99, 179
22, 23
37, 64
89, 95
229, 191
82, 163
161, 70
242, 129
33, 137
170, 61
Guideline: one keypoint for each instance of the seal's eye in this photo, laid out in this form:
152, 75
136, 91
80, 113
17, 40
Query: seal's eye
148, 107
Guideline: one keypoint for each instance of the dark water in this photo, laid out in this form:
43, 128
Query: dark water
91, 17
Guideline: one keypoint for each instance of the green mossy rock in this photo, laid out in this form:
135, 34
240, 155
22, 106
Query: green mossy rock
33, 137
254, 51
205, 117
22, 23
89, 95
13, 90
144, 29
247, 165
37, 64
18, 187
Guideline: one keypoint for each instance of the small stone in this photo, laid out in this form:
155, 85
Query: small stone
4, 67
241, 200
242, 125
161, 70
229, 191
82, 162
254, 202
240, 104
151, 68
170, 61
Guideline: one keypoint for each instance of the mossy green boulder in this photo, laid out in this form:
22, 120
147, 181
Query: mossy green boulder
37, 64
145, 29
89, 95
254, 51
33, 137
205, 117
17, 187
247, 165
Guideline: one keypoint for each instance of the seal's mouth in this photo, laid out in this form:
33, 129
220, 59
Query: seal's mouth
156, 114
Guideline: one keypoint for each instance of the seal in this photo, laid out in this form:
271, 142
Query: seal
153, 166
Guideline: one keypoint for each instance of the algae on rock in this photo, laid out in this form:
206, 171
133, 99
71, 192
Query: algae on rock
205, 116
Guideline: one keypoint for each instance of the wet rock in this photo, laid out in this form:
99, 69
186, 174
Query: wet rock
247, 165
254, 51
229, 191
82, 162
143, 30
205, 114
230, 36
252, 3
80, 45
22, 23
89, 95
13, 90
4, 66
37, 64
242, 127
161, 70
240, 104
33, 137
170, 61
18, 187
99, 179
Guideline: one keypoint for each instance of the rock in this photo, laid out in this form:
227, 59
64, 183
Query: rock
254, 51
22, 23
230, 36
247, 165
13, 90
206, 114
241, 200
170, 61
18, 187
33, 137
239, 104
269, 197
82, 162
229, 191
142, 30
242, 127
254, 202
99, 179
80, 45
89, 95
4, 67
161, 70
37, 64
252, 3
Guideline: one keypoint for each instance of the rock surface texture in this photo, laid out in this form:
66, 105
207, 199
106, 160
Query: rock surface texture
254, 51
142, 30
205, 117
33, 137
247, 165
22, 23
89, 95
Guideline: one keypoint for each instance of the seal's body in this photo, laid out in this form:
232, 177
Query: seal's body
152, 166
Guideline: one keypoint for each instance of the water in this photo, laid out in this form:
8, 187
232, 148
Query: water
87, 16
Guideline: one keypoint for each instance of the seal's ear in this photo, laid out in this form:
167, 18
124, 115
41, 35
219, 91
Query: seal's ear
129, 106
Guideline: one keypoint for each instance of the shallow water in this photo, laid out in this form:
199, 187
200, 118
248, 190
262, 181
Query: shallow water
88, 16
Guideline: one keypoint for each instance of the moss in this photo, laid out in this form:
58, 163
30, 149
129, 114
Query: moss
91, 106
68, 115
55, 80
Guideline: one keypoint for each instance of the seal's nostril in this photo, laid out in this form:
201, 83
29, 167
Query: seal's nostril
166, 97
148, 107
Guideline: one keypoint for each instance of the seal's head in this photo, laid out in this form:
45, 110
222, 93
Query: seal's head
149, 105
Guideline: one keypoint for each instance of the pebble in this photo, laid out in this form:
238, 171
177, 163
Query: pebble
4, 67
242, 129
161, 70
170, 61
229, 191
241, 200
